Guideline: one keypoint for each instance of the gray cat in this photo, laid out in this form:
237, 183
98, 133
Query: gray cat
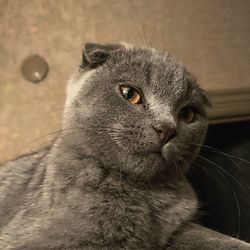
115, 177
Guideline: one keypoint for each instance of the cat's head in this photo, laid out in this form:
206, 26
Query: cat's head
136, 110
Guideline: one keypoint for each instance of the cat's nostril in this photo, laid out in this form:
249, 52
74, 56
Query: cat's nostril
164, 132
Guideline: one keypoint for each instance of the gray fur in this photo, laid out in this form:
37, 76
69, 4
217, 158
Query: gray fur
106, 183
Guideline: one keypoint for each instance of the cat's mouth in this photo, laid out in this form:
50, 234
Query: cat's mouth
166, 152
158, 154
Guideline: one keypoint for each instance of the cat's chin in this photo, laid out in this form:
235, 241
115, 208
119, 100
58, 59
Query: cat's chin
163, 166
169, 154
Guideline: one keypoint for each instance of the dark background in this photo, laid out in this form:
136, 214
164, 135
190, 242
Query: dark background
222, 182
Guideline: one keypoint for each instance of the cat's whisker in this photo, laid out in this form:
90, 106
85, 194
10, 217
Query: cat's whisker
62, 153
120, 179
53, 133
145, 40
239, 214
61, 110
177, 169
217, 151
212, 149
220, 152
224, 171
197, 166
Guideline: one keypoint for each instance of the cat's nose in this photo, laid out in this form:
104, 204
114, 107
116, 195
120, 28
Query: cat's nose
165, 132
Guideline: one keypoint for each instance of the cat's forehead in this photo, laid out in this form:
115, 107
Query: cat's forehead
158, 75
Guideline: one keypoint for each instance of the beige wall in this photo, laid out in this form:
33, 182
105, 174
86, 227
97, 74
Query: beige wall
212, 37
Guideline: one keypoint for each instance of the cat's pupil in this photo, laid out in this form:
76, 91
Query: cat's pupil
129, 93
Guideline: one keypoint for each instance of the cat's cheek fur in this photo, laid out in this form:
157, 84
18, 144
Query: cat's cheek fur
75, 84
195, 135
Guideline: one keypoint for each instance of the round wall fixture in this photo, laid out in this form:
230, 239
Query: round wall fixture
34, 68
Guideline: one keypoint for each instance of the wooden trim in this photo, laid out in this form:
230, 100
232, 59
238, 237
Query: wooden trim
229, 106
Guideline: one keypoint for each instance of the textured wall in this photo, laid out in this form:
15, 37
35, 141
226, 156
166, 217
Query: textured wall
211, 37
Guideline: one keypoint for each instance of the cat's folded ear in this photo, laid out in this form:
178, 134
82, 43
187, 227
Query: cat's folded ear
94, 55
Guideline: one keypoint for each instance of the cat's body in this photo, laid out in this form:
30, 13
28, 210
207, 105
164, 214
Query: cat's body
98, 210
115, 176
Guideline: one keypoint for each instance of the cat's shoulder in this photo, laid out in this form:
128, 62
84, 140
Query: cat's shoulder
15, 177
22, 164
16, 174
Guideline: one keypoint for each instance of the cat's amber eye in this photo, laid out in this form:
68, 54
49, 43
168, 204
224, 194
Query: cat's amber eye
131, 94
188, 114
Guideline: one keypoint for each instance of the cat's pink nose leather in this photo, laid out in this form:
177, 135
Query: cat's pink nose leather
164, 132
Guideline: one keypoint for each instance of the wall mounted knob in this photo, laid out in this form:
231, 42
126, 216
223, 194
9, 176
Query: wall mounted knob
34, 68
